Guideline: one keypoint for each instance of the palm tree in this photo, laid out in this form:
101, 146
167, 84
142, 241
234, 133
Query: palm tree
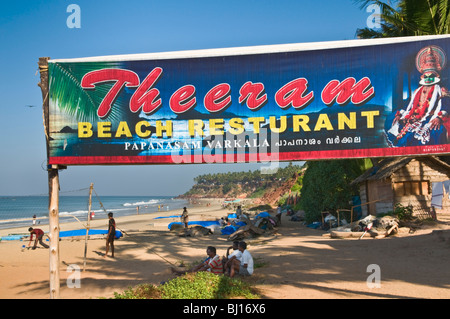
408, 18
66, 92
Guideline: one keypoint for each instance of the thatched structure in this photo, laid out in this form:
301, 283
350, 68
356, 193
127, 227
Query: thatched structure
404, 180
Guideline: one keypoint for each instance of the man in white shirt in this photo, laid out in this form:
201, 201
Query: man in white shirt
228, 260
243, 267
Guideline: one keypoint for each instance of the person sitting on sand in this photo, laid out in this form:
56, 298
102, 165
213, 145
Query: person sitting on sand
228, 260
39, 233
244, 266
212, 264
222, 222
185, 217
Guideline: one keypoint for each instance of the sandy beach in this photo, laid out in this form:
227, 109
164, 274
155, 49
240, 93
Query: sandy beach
296, 262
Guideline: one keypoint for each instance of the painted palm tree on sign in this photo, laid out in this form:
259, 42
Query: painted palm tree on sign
69, 97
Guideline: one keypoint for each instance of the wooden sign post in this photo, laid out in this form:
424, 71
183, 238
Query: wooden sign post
53, 185
53, 181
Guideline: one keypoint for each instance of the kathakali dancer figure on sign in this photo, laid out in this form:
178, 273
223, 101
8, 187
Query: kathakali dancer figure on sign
426, 118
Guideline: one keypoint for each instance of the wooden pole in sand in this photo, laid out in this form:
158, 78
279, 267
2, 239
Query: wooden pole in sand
53, 180
53, 185
88, 226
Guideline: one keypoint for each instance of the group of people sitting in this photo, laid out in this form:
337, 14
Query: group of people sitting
240, 261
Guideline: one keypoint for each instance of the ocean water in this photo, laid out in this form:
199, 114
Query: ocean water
18, 211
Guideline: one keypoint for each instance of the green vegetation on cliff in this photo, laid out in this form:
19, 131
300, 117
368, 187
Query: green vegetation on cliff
252, 183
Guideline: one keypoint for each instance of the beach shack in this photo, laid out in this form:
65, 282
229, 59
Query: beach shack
420, 182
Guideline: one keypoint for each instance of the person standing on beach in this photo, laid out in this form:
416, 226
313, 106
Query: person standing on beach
239, 212
38, 233
185, 217
111, 235
279, 215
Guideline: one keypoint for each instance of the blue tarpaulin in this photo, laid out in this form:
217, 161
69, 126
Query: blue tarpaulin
69, 233
228, 230
173, 216
204, 223
12, 237
262, 214
82, 232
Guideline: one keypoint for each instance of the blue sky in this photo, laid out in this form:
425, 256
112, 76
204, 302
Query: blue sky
33, 29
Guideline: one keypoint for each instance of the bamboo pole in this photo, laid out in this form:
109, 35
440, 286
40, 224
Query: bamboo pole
53, 185
87, 226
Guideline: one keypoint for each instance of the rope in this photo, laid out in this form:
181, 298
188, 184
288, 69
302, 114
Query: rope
104, 209
148, 247
160, 256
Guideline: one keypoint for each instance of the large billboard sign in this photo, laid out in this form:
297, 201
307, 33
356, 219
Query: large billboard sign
328, 100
